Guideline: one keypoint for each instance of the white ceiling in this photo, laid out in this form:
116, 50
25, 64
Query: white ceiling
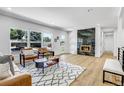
70, 17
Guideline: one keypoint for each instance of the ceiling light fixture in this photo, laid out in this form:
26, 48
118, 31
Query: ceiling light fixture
90, 10
74, 27
9, 8
52, 23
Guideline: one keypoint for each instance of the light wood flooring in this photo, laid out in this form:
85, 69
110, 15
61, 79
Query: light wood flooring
93, 74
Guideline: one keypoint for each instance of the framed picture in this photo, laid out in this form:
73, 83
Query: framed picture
55, 40
57, 37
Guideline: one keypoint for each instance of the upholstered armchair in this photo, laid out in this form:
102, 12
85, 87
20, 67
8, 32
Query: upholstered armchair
17, 78
45, 52
27, 54
22, 79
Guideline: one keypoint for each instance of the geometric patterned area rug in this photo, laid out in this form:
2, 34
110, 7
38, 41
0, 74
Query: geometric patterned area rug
63, 75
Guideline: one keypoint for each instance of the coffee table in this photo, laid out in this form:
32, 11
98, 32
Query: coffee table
41, 63
44, 63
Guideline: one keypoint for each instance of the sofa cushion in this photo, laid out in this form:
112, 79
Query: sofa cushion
6, 67
28, 52
16, 69
5, 71
113, 65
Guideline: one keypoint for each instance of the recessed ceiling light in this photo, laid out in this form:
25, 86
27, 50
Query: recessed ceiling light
9, 8
52, 23
98, 24
75, 27
70, 29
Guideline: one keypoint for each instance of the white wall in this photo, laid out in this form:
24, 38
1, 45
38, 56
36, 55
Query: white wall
115, 43
6, 23
102, 43
120, 32
120, 38
98, 41
73, 42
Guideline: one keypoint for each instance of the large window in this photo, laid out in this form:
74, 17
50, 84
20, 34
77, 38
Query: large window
47, 40
35, 39
18, 39
19, 35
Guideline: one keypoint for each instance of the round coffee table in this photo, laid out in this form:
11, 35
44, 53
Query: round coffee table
44, 63
41, 63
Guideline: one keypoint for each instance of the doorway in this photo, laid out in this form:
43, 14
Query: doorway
108, 42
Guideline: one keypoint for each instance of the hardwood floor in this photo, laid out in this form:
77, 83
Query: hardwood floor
93, 74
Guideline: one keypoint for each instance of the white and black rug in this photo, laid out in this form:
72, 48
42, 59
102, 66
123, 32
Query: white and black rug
63, 75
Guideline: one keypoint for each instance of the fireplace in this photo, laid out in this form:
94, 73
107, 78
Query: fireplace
85, 48
86, 42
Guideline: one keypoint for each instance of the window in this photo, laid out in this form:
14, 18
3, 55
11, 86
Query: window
35, 39
18, 39
47, 40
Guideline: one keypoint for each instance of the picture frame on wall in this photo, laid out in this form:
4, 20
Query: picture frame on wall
55, 40
57, 37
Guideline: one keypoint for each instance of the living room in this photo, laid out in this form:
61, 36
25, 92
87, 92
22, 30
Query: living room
63, 52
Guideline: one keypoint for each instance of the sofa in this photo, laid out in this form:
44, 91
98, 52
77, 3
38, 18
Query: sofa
18, 79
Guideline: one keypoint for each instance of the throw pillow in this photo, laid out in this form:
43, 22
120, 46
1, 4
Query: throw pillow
6, 67
4, 71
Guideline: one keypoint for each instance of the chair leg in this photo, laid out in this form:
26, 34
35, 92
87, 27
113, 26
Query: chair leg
122, 80
53, 53
20, 59
43, 70
23, 61
103, 76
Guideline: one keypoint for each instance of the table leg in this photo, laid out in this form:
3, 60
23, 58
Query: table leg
122, 81
43, 70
